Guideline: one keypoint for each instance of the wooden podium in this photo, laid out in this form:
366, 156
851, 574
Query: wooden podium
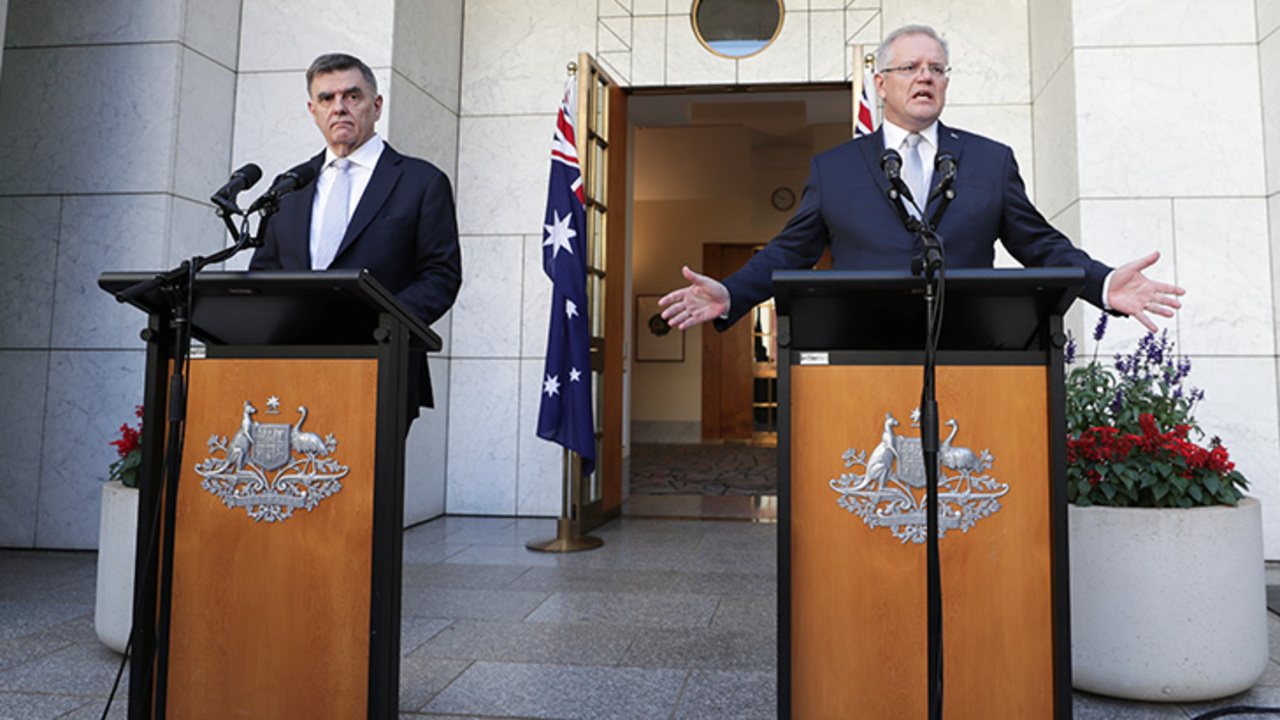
268, 580
852, 630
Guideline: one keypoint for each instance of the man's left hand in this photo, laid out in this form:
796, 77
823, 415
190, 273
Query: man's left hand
1132, 293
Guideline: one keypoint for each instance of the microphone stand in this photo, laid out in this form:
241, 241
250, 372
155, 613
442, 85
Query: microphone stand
932, 265
177, 286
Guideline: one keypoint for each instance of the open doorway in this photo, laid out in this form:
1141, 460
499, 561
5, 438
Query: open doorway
715, 174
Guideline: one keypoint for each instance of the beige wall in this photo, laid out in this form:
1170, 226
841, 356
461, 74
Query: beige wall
701, 184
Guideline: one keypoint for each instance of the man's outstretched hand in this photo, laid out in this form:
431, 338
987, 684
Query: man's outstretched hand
1133, 293
705, 299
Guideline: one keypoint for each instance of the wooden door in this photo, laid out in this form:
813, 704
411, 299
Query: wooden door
726, 358
602, 135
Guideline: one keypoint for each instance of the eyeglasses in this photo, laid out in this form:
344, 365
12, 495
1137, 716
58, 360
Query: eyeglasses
937, 71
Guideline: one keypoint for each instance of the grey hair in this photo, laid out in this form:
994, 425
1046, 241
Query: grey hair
882, 52
337, 62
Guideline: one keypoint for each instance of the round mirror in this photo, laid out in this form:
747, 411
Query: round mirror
737, 28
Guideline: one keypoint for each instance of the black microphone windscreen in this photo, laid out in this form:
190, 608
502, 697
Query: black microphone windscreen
251, 174
303, 173
891, 162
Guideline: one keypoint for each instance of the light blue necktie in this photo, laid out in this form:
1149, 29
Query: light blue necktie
333, 225
913, 171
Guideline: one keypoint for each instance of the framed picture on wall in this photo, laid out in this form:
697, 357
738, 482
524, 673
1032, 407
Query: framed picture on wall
656, 341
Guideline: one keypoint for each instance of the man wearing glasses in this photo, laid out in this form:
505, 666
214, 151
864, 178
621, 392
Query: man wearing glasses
845, 206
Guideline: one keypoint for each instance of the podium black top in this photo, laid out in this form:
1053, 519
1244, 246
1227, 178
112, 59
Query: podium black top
1005, 309
282, 307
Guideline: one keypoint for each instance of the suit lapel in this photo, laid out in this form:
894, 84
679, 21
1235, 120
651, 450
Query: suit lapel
385, 176
949, 140
298, 214
872, 149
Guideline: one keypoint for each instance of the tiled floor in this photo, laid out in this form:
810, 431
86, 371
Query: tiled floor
671, 618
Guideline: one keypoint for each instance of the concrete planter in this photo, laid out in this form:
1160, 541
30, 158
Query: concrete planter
1167, 605
117, 533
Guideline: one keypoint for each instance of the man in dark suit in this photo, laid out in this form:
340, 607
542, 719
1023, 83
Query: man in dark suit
370, 207
846, 206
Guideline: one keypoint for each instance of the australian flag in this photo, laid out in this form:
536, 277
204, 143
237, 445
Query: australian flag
864, 121
564, 415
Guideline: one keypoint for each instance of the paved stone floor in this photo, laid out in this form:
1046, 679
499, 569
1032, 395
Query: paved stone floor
670, 618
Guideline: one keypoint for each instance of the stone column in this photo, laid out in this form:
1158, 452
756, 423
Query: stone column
1149, 133
116, 121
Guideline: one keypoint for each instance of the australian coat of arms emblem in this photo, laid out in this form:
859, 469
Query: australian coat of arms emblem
890, 490
271, 469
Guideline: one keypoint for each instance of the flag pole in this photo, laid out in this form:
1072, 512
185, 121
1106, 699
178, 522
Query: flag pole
568, 538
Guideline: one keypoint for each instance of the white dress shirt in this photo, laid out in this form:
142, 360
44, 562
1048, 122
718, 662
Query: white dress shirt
363, 159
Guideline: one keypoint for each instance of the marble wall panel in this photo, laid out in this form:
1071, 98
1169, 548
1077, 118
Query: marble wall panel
23, 381
535, 301
1240, 407
864, 25
1220, 245
1269, 71
649, 7
615, 8
426, 451
1268, 18
427, 47
289, 34
272, 125
786, 59
515, 53
617, 65
486, 320
1008, 124
70, 127
689, 63
1056, 154
503, 165
1105, 23
90, 395
41, 23
194, 229
483, 419
212, 28
649, 51
29, 245
989, 45
614, 34
205, 109
1273, 215
418, 125
1115, 232
539, 485
1171, 149
1050, 33
829, 56
101, 233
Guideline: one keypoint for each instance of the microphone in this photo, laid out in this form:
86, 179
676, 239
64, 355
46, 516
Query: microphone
891, 164
286, 182
241, 180
945, 165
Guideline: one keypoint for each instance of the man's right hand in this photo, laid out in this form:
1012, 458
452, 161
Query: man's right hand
705, 299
